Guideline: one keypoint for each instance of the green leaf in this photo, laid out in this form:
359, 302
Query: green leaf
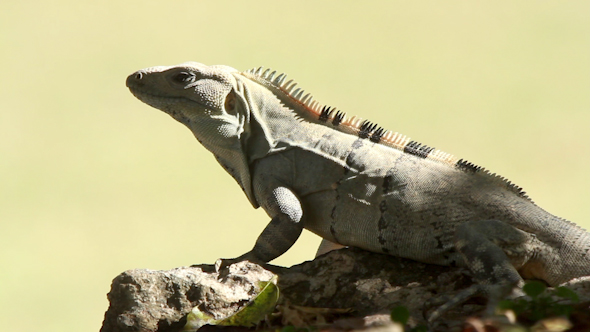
196, 318
420, 328
567, 293
534, 288
400, 315
506, 305
258, 307
255, 310
289, 328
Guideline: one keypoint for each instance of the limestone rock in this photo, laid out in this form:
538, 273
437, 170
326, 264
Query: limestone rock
147, 300
368, 283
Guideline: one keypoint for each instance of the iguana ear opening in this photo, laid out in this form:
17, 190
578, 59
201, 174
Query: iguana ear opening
230, 102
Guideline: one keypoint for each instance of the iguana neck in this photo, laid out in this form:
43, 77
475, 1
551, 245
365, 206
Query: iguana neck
274, 121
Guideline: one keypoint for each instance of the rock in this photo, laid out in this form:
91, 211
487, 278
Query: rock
372, 284
368, 283
147, 300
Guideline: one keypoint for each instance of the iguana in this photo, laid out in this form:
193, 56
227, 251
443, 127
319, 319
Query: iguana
356, 184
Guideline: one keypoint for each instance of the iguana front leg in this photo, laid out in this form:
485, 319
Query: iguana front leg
282, 231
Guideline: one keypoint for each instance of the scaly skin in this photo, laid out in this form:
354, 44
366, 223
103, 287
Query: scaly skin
355, 184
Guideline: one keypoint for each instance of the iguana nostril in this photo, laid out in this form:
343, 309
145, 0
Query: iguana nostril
135, 79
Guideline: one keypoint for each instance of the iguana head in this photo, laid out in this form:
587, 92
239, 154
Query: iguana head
205, 99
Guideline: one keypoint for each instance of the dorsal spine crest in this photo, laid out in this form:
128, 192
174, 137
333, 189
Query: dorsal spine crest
329, 115
364, 129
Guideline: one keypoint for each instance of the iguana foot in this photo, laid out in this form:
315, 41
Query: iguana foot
494, 293
223, 263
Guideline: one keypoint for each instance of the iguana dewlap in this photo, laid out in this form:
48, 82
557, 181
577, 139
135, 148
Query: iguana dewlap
356, 184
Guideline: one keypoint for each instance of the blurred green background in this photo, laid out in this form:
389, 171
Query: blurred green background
93, 182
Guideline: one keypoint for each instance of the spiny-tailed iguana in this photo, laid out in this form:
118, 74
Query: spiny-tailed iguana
355, 184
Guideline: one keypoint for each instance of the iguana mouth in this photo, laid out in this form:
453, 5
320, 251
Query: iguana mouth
164, 102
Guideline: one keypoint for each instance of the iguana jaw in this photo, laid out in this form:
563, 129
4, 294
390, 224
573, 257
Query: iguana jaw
169, 105
203, 99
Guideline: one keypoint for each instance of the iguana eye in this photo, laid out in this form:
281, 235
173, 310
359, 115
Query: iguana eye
184, 77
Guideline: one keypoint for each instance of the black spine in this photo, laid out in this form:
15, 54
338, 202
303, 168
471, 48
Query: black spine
417, 149
366, 129
467, 166
326, 112
377, 135
338, 118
